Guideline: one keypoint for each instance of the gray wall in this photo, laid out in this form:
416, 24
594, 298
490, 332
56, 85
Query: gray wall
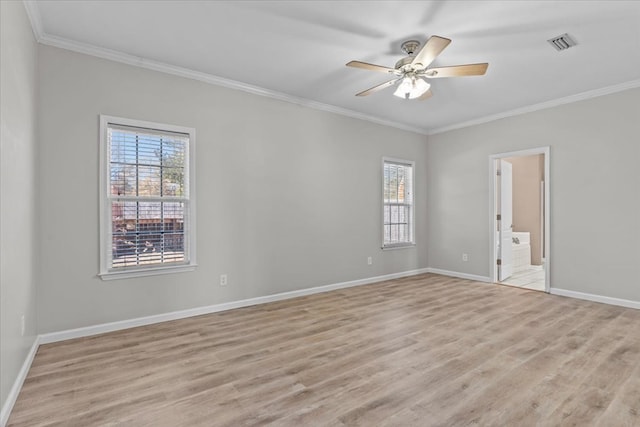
595, 201
18, 253
287, 197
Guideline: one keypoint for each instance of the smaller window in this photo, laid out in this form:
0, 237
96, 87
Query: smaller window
397, 194
147, 201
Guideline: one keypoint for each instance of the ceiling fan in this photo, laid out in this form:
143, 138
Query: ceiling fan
413, 70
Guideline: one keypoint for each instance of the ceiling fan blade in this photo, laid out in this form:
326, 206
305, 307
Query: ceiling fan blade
457, 71
432, 48
371, 67
428, 94
377, 88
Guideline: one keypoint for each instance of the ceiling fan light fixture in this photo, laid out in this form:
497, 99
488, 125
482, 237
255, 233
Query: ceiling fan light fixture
413, 72
411, 87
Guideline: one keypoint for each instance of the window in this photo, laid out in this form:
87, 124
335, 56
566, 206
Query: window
147, 208
397, 228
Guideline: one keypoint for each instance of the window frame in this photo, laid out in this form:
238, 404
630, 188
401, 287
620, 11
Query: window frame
106, 271
412, 243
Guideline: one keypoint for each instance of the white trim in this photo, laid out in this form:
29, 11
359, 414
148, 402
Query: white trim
105, 212
123, 121
142, 272
607, 90
546, 151
596, 298
17, 384
34, 18
398, 246
467, 276
198, 311
162, 67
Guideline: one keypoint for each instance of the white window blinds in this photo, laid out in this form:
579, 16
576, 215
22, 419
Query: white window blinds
398, 226
147, 202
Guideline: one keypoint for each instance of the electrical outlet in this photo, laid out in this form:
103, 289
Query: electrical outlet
369, 260
22, 325
223, 280
465, 257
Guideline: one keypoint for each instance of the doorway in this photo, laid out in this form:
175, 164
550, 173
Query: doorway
519, 205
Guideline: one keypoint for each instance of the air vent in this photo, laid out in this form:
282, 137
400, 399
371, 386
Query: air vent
562, 42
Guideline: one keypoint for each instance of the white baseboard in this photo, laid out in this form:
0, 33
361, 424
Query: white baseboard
141, 321
17, 385
596, 298
181, 314
198, 311
459, 275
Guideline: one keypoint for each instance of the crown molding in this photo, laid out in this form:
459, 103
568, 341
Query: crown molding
34, 18
541, 106
33, 13
141, 62
41, 37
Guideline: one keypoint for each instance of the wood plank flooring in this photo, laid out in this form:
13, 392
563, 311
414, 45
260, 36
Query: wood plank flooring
427, 350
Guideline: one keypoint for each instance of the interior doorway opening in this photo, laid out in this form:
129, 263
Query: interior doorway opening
520, 219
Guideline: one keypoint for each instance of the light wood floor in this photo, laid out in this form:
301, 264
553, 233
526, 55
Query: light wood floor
425, 351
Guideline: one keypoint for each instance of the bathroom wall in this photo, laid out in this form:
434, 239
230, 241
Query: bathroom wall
528, 173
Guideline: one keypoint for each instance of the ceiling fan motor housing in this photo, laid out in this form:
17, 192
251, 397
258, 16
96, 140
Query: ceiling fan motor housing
410, 46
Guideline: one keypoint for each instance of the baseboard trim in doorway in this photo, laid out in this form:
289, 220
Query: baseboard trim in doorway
459, 275
198, 311
596, 298
17, 384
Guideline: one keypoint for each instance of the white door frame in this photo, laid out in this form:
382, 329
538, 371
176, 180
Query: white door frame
506, 221
493, 211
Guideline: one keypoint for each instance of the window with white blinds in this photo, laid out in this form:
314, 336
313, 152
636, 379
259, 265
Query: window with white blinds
147, 223
398, 191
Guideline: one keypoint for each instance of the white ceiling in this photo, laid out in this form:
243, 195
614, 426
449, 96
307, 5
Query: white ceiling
299, 48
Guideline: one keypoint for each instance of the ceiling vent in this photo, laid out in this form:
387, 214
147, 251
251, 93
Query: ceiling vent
562, 42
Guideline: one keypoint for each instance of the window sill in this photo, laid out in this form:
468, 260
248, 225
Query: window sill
399, 246
156, 271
